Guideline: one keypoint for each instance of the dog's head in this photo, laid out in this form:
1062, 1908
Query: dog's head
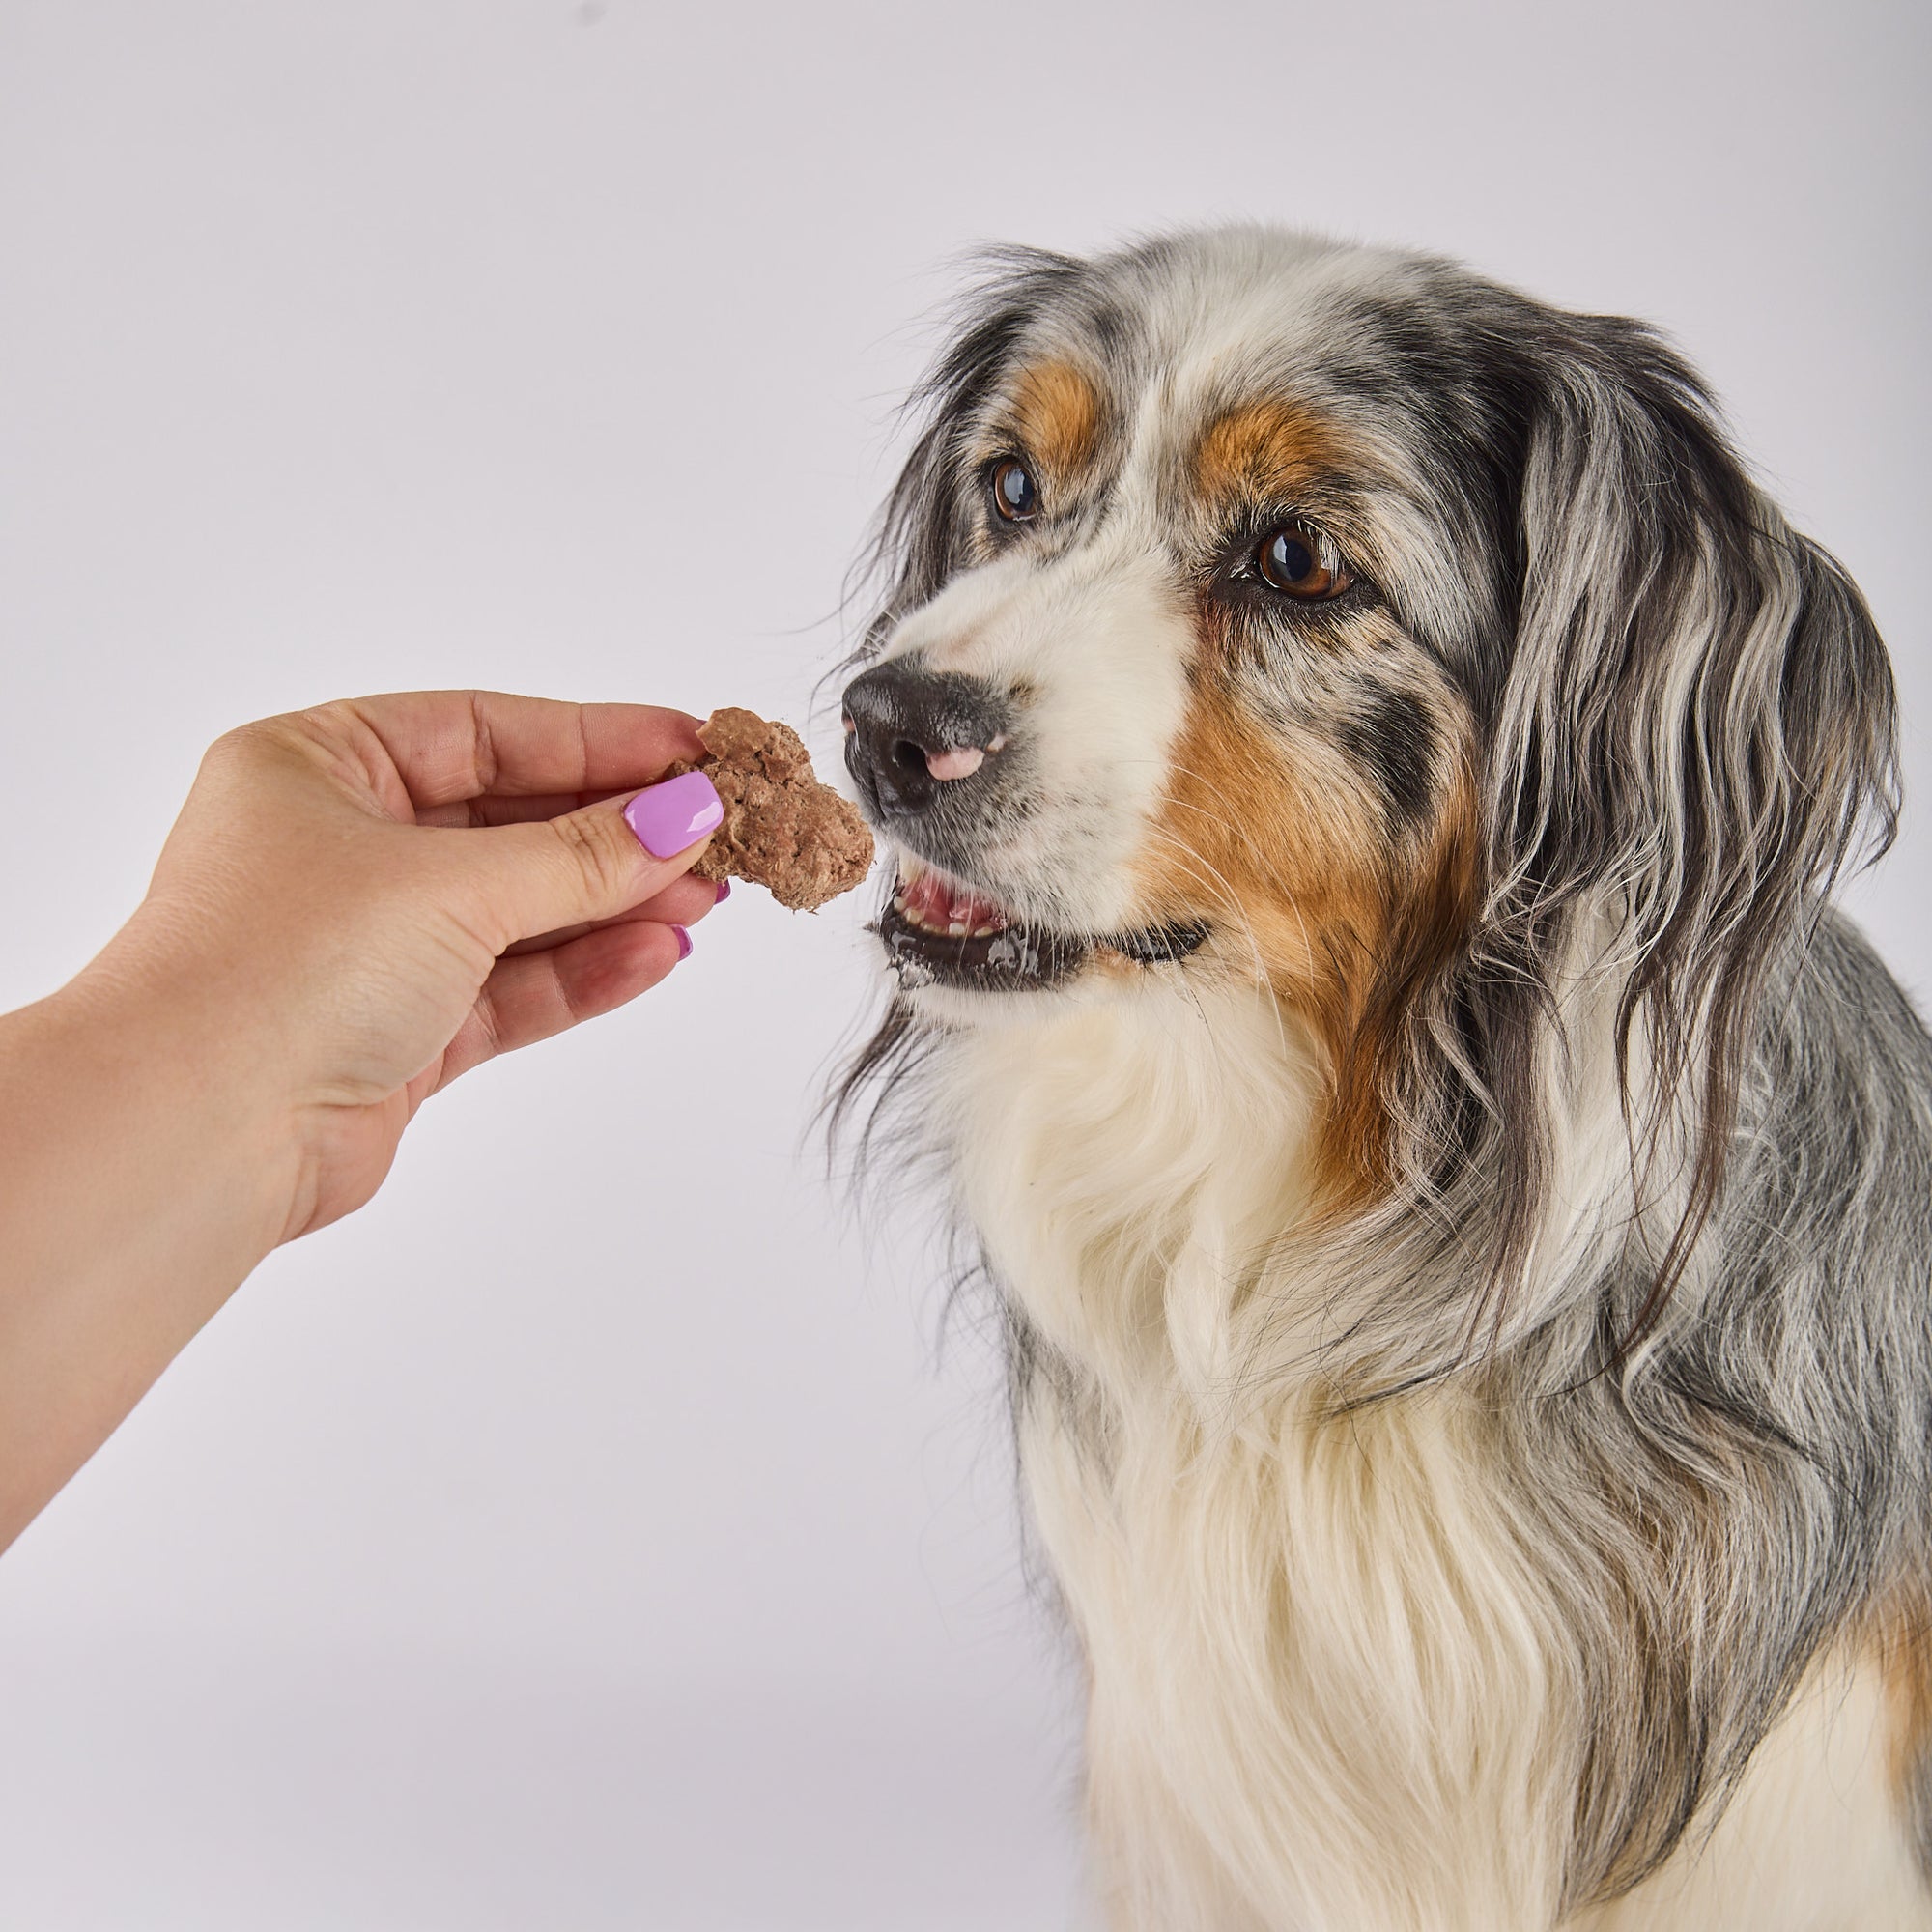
1268, 609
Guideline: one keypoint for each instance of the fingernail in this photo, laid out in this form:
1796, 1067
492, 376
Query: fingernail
674, 814
723, 891
683, 942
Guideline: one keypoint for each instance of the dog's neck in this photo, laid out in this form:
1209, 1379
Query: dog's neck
1142, 1169
1142, 1177
1130, 1166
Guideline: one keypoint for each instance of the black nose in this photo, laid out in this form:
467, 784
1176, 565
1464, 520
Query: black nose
899, 719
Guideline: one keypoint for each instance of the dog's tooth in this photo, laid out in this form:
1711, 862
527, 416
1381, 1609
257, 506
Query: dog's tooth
985, 931
956, 929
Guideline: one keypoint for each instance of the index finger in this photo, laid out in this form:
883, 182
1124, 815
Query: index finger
448, 746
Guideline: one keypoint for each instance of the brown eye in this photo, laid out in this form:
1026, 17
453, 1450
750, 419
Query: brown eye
1303, 564
1015, 496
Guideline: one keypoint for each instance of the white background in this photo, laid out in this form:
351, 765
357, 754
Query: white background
587, 1534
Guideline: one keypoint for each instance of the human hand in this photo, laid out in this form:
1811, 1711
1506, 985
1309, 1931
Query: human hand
362, 902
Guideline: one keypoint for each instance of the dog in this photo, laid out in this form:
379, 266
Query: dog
1367, 768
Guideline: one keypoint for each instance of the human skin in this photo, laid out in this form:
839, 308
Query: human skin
357, 904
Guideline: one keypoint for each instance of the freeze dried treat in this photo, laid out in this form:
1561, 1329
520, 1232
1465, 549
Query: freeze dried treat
783, 829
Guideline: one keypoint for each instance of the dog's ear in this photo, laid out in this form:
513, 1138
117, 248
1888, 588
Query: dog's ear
1697, 732
916, 544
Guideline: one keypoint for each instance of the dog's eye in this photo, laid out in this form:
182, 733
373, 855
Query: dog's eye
1015, 496
1302, 563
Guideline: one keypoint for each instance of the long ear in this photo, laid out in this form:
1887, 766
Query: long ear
1697, 730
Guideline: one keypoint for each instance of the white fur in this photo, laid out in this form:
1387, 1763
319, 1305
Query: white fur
1808, 1845
1331, 1690
1299, 1636
1103, 642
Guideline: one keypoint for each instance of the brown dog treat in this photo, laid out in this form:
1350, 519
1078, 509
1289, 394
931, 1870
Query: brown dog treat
783, 829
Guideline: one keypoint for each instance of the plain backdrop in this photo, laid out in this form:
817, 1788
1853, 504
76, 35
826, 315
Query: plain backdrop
592, 1532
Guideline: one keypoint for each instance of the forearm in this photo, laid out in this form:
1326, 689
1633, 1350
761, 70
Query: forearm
141, 1178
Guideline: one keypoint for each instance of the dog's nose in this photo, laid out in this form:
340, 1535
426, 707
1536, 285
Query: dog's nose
910, 733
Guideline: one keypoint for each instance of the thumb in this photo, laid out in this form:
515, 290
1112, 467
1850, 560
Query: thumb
596, 862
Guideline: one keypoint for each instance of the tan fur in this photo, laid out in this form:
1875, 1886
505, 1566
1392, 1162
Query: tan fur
1056, 415
1901, 1655
1270, 450
1285, 844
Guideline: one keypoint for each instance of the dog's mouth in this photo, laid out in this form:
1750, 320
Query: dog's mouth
939, 930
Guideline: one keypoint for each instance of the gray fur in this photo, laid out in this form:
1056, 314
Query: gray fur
1719, 1414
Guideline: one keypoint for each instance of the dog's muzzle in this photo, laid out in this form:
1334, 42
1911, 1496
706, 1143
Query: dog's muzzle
939, 759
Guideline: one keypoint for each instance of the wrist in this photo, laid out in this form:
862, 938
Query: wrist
138, 1188
187, 1067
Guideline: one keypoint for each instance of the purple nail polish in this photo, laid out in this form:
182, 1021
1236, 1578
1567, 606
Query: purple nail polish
674, 814
683, 942
723, 891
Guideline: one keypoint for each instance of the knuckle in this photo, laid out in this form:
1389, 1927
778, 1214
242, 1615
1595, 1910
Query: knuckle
258, 746
244, 740
489, 1024
288, 732
330, 717
488, 760
594, 847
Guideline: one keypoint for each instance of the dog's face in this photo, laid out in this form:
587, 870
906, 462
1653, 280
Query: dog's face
1293, 614
1192, 697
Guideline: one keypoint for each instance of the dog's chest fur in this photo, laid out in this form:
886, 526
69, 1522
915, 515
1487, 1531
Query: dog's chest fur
1331, 1679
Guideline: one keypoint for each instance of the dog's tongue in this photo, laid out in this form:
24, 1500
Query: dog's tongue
945, 906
